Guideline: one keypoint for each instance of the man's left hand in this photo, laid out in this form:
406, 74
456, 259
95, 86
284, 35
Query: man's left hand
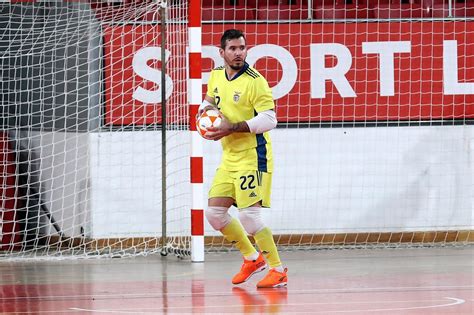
217, 133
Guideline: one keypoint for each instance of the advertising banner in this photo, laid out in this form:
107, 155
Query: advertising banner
320, 72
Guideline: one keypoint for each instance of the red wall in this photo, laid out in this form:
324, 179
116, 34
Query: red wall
9, 226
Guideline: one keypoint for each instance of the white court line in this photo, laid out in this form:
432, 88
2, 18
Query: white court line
220, 293
452, 302
456, 302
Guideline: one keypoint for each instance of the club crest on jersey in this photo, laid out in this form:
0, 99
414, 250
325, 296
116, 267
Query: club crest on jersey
237, 96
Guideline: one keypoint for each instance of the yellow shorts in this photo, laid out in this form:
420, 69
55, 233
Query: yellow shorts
245, 187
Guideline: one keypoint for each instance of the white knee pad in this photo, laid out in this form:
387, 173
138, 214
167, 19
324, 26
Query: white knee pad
218, 217
251, 219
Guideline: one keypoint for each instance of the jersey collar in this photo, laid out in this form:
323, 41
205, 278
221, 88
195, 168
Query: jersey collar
245, 67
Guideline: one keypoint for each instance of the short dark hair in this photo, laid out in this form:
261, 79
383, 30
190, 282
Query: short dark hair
231, 34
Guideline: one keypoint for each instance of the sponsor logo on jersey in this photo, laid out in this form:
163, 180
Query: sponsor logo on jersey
253, 194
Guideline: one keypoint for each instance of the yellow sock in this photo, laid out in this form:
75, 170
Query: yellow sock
235, 233
266, 244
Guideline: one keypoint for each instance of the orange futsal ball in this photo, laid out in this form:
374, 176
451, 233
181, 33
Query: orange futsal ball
209, 118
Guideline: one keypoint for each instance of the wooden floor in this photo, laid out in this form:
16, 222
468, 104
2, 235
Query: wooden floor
389, 281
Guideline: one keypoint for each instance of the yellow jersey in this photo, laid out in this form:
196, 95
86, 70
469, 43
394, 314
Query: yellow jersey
240, 99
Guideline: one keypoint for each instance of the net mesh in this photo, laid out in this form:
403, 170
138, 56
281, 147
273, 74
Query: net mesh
371, 148
81, 139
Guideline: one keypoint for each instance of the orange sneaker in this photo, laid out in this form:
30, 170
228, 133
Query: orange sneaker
274, 279
249, 268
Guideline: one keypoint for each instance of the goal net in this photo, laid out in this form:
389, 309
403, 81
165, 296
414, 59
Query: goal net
81, 141
375, 103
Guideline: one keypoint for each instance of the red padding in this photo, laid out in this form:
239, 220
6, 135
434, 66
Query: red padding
193, 110
194, 18
196, 170
197, 222
195, 65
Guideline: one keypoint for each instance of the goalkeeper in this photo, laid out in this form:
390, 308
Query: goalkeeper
244, 176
